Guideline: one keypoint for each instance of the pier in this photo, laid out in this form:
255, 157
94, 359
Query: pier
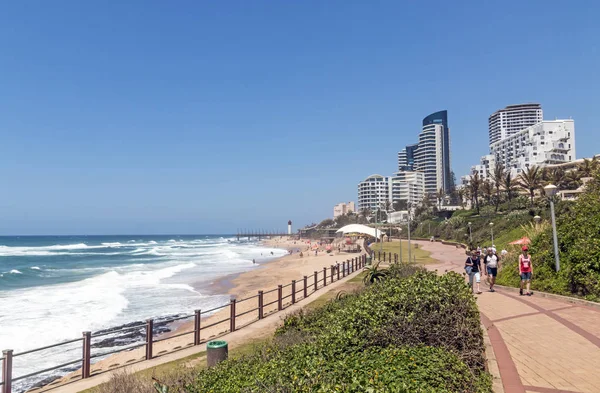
258, 233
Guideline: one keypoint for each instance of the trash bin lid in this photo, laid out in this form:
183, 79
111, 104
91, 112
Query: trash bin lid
216, 344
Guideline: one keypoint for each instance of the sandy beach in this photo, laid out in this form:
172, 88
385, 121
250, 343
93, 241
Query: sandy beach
244, 288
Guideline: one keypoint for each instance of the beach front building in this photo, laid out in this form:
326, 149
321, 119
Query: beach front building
431, 155
374, 191
343, 208
513, 119
547, 142
408, 186
486, 167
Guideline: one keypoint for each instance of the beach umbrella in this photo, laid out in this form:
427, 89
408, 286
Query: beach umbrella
521, 241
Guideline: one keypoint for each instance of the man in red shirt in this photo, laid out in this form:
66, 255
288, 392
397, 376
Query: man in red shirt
525, 270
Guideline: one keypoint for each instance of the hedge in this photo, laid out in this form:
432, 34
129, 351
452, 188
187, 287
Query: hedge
419, 333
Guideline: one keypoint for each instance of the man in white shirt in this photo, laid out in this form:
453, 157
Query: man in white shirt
492, 263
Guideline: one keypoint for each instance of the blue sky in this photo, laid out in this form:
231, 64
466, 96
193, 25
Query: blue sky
203, 117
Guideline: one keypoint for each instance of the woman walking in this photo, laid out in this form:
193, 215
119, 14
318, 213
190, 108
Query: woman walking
525, 271
473, 268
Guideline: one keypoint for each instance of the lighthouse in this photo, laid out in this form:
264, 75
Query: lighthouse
290, 227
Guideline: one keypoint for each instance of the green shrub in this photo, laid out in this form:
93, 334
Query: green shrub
578, 231
413, 332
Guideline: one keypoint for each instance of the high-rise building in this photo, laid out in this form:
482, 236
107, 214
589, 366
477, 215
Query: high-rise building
343, 208
512, 119
406, 158
408, 186
431, 155
374, 191
547, 142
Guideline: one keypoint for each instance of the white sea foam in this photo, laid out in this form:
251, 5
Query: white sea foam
114, 244
35, 268
129, 291
15, 271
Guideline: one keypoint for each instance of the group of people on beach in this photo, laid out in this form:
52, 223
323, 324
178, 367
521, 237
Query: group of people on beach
491, 263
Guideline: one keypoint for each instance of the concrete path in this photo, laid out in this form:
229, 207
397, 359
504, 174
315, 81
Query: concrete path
541, 344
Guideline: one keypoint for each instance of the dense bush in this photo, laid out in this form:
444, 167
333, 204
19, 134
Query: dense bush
419, 333
578, 230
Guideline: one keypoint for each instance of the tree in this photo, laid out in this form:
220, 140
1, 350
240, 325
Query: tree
572, 180
487, 189
461, 195
587, 167
387, 206
498, 177
474, 185
509, 184
326, 223
555, 176
531, 180
365, 214
400, 205
440, 195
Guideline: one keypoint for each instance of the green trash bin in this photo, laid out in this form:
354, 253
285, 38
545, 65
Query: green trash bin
216, 351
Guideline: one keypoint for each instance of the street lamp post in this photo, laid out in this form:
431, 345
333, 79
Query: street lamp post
400, 238
550, 191
492, 228
470, 234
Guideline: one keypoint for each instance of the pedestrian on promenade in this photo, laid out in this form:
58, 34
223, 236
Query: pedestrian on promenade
525, 271
492, 263
473, 267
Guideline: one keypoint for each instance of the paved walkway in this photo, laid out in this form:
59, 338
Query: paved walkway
541, 345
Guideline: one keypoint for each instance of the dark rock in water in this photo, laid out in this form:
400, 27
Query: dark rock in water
161, 326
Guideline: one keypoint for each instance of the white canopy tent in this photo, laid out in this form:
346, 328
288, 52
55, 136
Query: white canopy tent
362, 229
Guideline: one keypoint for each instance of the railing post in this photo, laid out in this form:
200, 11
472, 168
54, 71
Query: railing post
7, 371
337, 268
197, 327
232, 316
149, 329
279, 297
293, 291
324, 276
260, 305
315, 275
332, 271
87, 348
305, 289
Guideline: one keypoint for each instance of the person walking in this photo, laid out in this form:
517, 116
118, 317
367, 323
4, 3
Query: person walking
492, 263
473, 267
525, 271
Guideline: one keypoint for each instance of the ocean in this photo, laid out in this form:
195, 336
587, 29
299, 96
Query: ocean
53, 288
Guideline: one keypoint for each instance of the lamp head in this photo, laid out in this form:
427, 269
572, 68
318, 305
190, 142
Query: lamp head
550, 190
537, 218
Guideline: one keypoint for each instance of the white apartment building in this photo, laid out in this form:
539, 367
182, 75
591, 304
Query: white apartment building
429, 157
547, 142
343, 208
408, 186
374, 191
486, 167
513, 119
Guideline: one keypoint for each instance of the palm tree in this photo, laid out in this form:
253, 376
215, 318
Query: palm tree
509, 185
572, 180
498, 177
374, 275
531, 180
555, 176
440, 198
474, 184
587, 167
461, 194
487, 189
365, 214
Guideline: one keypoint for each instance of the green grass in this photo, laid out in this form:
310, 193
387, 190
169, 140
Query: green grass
422, 256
